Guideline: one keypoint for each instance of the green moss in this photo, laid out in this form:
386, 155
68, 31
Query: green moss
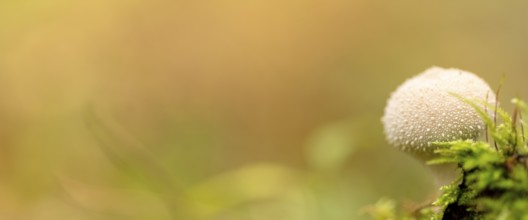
494, 180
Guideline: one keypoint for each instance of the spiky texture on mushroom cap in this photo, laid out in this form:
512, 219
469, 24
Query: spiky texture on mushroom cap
423, 110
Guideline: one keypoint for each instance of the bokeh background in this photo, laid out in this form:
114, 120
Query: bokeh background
226, 110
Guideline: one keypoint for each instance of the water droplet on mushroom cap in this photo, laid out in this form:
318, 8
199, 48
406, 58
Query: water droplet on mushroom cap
424, 101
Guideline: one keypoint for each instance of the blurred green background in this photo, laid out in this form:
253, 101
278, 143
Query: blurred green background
226, 110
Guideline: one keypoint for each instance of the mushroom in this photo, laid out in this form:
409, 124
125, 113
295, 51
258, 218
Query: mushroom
423, 110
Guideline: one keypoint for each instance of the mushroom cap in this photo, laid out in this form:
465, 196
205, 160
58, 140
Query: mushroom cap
423, 110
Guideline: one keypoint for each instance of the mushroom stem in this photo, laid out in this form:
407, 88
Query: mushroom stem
444, 174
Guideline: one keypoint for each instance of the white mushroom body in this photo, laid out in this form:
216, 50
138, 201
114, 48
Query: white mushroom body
424, 110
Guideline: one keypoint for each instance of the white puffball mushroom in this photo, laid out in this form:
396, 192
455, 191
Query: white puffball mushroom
424, 110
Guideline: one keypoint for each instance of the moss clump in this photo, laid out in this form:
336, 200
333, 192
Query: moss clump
494, 180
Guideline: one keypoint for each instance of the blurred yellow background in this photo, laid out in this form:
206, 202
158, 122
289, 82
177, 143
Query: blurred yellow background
226, 110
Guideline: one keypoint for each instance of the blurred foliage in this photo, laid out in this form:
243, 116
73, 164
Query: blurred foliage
225, 110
